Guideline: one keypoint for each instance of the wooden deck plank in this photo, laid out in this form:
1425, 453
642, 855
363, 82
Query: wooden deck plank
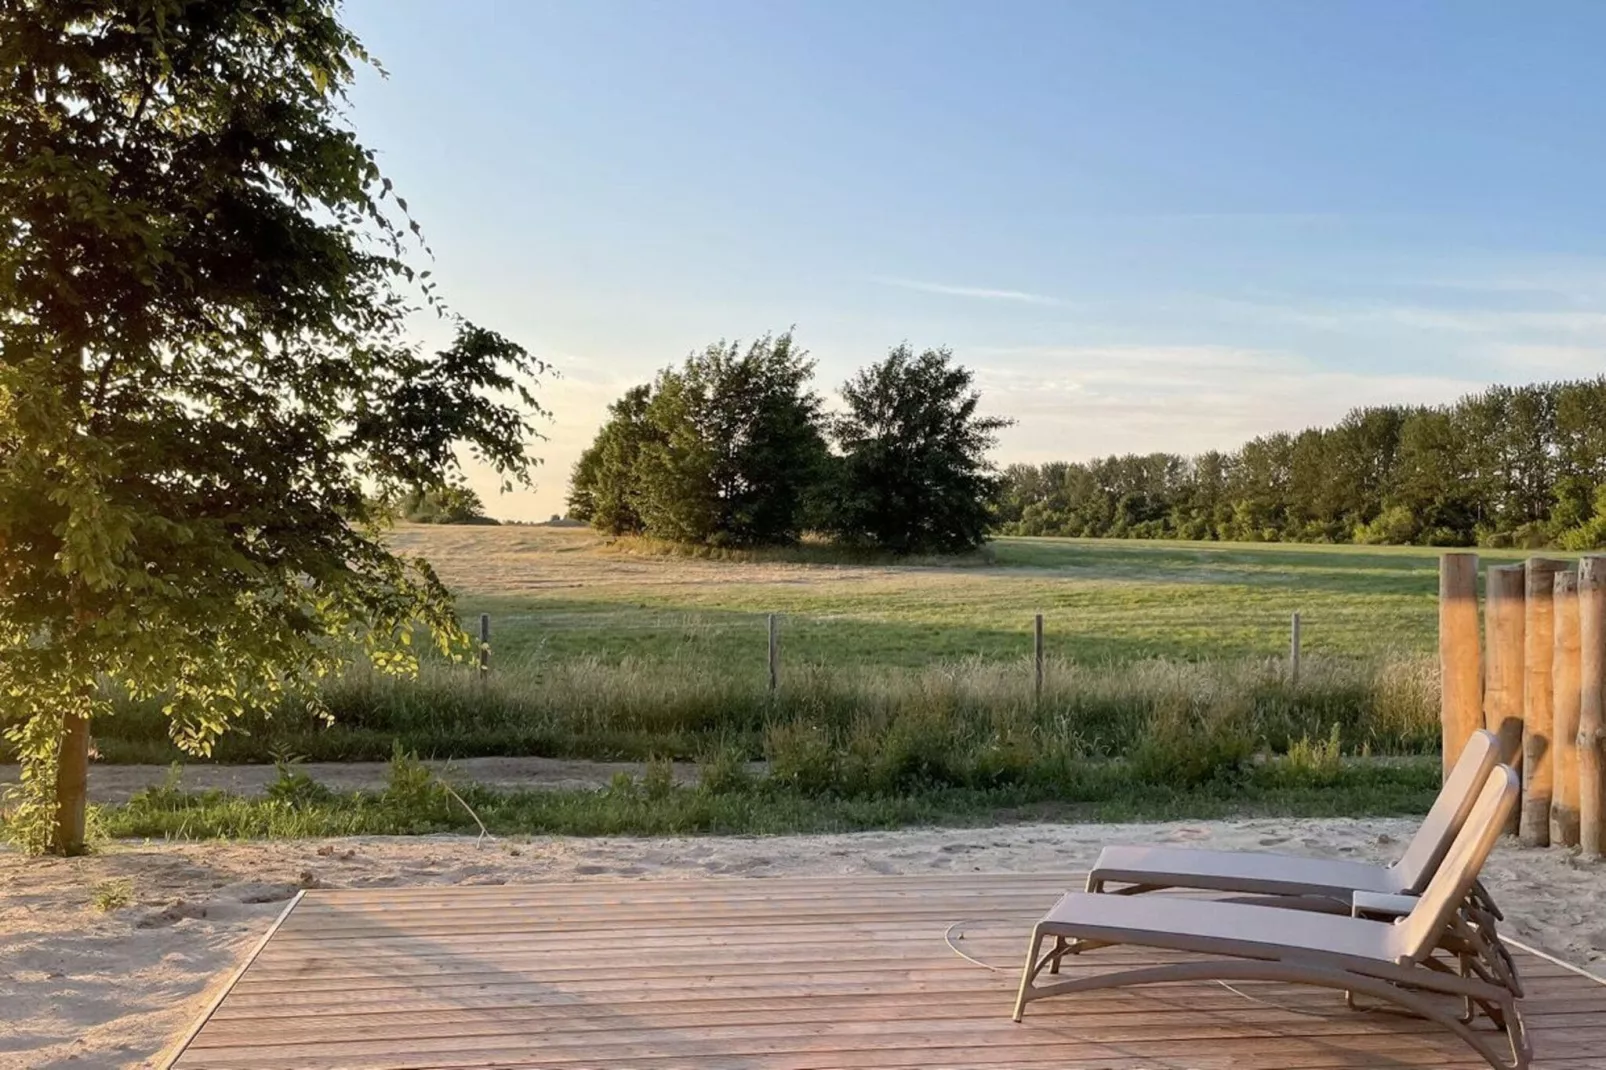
777, 974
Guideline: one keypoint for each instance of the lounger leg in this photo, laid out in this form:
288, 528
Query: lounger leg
1030, 971
1415, 1002
1061, 948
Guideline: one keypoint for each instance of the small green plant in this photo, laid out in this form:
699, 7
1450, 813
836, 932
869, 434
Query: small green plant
412, 789
1318, 764
723, 771
294, 786
658, 781
112, 895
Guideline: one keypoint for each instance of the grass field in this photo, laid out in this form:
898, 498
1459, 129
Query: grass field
562, 593
603, 651
906, 692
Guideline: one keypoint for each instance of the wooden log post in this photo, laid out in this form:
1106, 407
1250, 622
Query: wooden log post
485, 646
72, 785
1538, 701
1293, 650
1037, 657
1460, 659
1592, 706
775, 653
1564, 736
1503, 642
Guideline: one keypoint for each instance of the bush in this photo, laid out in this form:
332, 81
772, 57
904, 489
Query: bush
801, 757
1188, 747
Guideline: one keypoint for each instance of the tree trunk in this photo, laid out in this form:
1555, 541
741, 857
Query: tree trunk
72, 784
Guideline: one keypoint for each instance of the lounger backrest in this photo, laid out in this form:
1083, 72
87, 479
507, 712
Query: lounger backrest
1417, 933
1432, 840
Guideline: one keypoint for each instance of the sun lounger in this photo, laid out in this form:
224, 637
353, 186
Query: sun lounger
1145, 869
1442, 950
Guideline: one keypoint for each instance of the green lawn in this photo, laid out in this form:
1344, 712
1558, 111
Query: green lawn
1103, 600
601, 650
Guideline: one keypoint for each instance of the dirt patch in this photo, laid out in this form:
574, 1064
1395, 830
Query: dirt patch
117, 783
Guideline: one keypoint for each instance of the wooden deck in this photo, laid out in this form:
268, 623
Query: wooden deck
793, 974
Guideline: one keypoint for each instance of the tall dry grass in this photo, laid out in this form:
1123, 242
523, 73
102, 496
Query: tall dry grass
974, 711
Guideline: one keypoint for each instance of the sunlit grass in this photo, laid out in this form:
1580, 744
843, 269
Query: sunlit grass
634, 806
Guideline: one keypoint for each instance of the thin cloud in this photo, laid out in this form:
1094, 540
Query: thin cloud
1074, 402
979, 292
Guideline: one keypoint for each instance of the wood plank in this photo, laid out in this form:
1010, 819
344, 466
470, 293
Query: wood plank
777, 974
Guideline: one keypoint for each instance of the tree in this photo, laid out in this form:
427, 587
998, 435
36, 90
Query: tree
914, 476
205, 378
602, 489
727, 449
454, 503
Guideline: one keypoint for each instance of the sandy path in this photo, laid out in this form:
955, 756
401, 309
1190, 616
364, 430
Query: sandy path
115, 783
82, 988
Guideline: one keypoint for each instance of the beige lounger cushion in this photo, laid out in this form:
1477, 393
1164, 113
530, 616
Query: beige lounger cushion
1214, 928
1243, 871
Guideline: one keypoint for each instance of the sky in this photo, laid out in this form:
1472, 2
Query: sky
1144, 225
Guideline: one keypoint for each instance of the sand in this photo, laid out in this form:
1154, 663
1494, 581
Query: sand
81, 987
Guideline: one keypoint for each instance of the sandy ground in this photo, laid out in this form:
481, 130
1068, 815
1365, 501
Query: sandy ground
81, 987
116, 783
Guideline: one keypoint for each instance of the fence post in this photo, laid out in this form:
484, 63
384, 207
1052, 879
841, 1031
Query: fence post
1460, 663
1592, 706
1037, 656
1503, 639
1564, 737
1538, 701
485, 645
775, 653
1293, 650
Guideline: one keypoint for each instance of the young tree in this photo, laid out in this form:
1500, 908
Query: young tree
914, 476
205, 378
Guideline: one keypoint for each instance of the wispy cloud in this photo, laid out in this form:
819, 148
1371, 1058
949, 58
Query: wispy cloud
1074, 402
979, 292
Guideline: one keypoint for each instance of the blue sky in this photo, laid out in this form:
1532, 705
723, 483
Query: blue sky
1147, 226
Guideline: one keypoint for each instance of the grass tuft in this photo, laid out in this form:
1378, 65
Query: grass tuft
111, 895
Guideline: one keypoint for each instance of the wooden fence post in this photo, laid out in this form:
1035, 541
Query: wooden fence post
1293, 650
1503, 641
1592, 706
775, 653
1037, 656
485, 646
1460, 661
1538, 701
1564, 736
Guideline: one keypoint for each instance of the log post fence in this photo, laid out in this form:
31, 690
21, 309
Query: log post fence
1538, 681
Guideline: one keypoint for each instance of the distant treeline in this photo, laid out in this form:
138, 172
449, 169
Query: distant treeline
1511, 466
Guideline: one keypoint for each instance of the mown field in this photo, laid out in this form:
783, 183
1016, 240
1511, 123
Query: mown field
603, 650
906, 692
559, 593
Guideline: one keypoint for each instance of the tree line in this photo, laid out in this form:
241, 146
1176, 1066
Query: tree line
1510, 466
734, 448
